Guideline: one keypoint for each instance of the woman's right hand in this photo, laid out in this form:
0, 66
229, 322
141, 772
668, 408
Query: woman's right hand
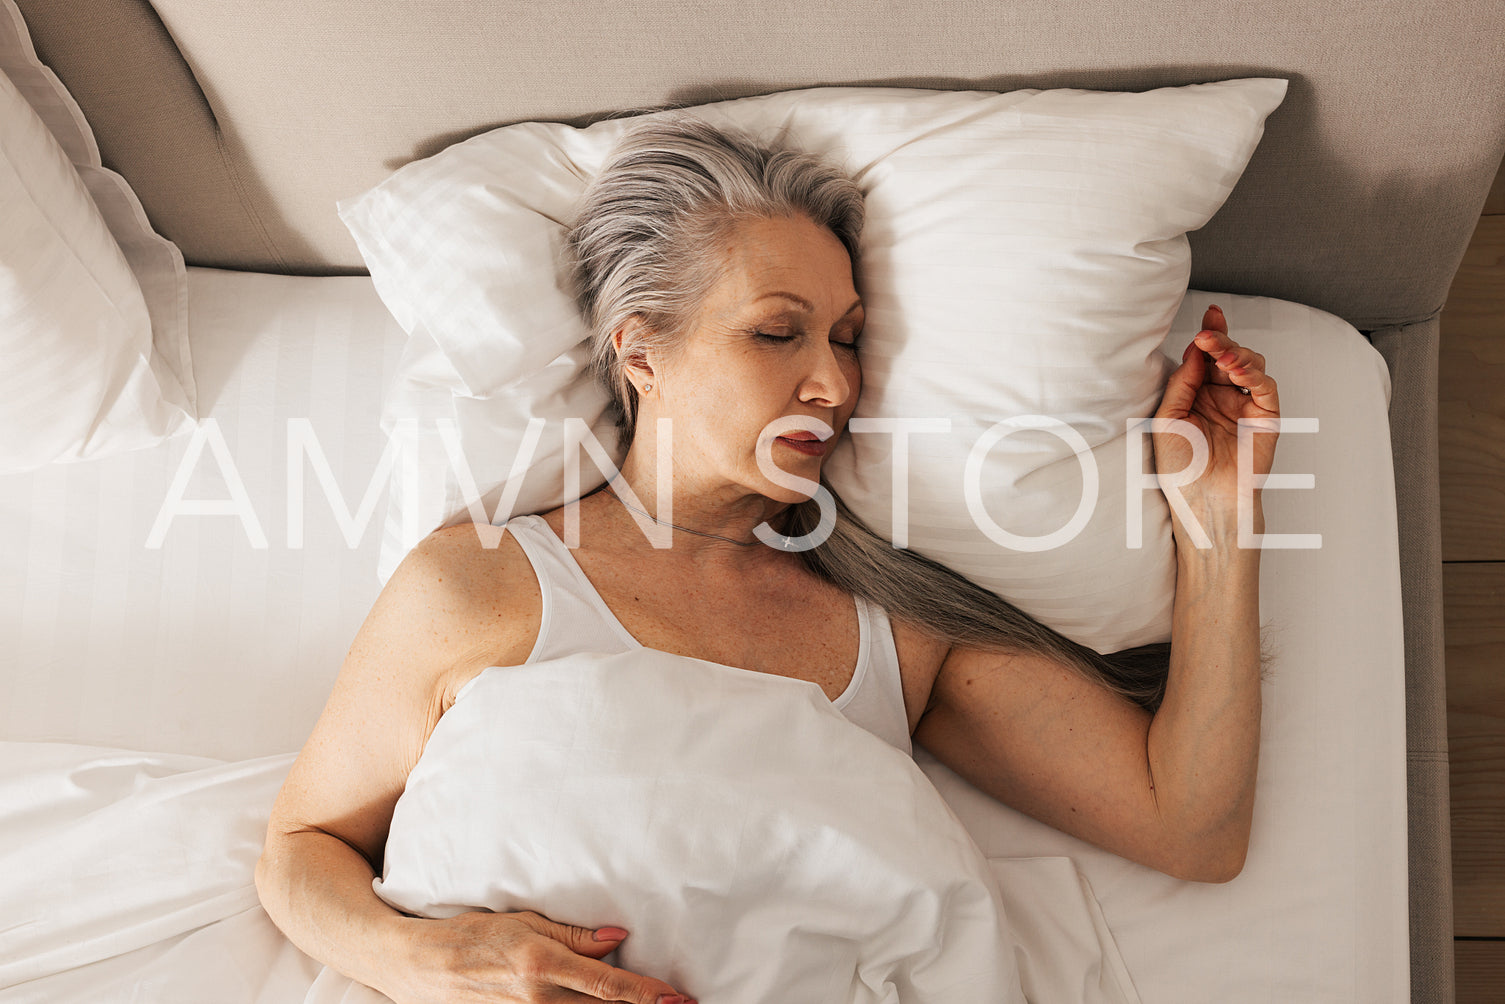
517, 958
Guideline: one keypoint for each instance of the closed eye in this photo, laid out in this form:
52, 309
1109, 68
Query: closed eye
855, 342
765, 336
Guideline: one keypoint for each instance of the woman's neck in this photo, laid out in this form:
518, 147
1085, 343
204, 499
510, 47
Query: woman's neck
709, 527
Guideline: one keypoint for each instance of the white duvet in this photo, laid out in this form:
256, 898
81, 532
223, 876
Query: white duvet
758, 846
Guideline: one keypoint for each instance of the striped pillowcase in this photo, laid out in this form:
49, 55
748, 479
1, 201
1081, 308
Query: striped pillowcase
1023, 258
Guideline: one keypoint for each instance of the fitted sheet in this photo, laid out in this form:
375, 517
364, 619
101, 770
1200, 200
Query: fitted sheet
208, 644
217, 650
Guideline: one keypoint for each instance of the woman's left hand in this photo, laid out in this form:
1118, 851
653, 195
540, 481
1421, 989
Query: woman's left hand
1204, 391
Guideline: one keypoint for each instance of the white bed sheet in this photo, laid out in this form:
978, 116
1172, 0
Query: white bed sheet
211, 652
209, 644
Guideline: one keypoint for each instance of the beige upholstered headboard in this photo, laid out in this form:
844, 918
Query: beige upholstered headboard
240, 125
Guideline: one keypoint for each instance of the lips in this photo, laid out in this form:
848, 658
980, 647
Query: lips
806, 443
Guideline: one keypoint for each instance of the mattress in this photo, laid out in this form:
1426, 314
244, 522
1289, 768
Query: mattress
163, 662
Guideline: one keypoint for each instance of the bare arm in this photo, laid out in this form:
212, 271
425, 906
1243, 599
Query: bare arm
449, 609
317, 889
1203, 744
1174, 791
1204, 739
329, 824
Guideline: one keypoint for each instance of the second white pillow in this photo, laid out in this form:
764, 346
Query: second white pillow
79, 380
94, 301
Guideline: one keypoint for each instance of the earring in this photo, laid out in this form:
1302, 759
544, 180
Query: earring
647, 387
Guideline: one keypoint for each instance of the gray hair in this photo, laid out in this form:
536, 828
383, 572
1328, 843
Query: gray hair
649, 232
646, 242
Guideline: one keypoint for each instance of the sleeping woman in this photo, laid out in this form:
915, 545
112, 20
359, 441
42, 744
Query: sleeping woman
719, 280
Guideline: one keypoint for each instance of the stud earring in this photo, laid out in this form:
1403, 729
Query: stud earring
647, 387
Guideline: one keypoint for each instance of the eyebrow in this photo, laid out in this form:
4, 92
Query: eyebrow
804, 302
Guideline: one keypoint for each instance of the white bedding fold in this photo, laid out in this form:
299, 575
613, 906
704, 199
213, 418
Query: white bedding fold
1062, 944
103, 852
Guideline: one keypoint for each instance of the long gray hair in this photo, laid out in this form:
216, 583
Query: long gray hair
646, 242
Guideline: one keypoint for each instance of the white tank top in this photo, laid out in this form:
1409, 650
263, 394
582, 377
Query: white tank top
576, 619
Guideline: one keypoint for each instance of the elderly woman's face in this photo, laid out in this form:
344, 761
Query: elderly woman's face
776, 337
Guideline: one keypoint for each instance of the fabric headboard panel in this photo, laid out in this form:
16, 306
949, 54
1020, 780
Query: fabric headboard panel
240, 125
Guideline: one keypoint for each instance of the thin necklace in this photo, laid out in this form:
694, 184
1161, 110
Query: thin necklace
784, 541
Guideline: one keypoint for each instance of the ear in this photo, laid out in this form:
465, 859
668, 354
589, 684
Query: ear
635, 363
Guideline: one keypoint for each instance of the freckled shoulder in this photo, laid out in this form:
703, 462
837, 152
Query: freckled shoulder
496, 598
920, 658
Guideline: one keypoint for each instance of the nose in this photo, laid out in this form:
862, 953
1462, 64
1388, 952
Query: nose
828, 383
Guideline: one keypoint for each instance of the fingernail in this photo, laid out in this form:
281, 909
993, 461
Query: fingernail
609, 934
1215, 307
671, 999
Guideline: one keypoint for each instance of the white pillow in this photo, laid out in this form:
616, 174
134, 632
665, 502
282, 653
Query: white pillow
1024, 255
618, 789
93, 303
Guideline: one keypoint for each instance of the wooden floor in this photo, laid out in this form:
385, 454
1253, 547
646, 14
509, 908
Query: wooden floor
1471, 397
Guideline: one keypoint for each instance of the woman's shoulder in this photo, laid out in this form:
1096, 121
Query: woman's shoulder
475, 560
473, 586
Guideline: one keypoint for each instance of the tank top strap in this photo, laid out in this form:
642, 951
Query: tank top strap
575, 618
877, 702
